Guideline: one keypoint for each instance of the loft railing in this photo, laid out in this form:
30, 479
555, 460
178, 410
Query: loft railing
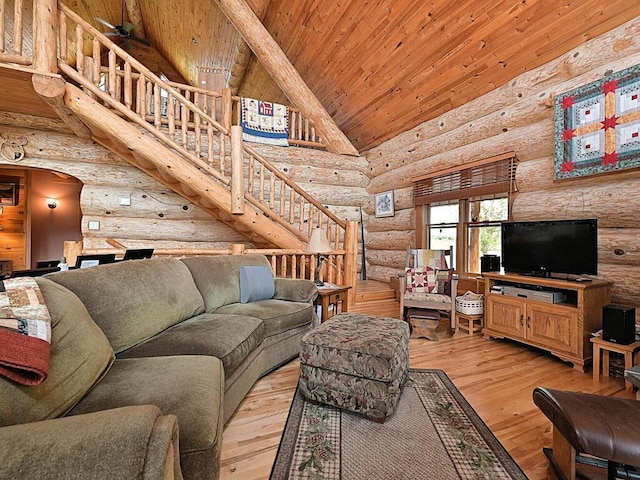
16, 47
301, 131
118, 81
15, 32
284, 263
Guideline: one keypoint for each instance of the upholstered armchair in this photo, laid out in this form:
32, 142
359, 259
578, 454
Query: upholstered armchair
428, 282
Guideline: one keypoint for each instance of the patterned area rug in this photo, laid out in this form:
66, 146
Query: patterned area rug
434, 434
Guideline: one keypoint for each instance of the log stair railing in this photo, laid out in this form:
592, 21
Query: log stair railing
109, 76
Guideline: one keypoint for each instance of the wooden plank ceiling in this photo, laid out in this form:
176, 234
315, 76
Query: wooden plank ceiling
379, 67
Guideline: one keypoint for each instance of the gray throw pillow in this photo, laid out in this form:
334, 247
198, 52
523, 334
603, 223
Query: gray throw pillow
256, 283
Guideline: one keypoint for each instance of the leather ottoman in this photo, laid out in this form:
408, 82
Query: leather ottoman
356, 362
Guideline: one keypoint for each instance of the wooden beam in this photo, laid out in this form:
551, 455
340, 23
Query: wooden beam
243, 52
284, 74
52, 90
135, 17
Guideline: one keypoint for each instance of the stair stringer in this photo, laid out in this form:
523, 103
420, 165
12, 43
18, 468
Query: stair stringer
144, 152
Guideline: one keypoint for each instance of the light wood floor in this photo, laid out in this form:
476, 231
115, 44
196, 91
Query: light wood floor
495, 376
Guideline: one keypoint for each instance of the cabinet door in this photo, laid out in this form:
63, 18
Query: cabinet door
505, 315
553, 327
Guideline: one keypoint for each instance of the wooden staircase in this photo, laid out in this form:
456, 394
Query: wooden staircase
376, 298
109, 96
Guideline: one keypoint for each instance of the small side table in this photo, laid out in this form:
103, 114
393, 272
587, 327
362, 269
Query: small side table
331, 294
629, 352
467, 323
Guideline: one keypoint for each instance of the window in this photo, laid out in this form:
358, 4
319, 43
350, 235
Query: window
443, 226
464, 207
483, 229
480, 229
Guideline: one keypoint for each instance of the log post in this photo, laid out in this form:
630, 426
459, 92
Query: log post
237, 182
227, 108
237, 249
71, 251
45, 56
351, 259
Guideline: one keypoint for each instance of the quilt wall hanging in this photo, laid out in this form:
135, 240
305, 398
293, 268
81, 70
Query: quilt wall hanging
265, 122
597, 126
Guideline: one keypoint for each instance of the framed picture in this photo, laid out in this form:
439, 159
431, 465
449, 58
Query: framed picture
597, 126
384, 204
9, 187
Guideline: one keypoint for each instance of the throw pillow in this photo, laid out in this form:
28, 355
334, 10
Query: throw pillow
80, 355
256, 283
420, 279
443, 281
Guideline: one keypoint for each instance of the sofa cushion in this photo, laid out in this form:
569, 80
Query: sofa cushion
277, 315
256, 283
187, 386
80, 354
231, 338
218, 277
295, 290
133, 301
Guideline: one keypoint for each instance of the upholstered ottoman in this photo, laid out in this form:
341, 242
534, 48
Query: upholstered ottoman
356, 362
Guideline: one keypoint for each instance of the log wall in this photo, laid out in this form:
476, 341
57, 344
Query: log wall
518, 117
157, 217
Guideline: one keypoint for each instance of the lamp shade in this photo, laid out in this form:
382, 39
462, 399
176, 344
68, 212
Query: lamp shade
318, 242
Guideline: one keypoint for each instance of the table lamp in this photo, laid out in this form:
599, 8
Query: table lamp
319, 244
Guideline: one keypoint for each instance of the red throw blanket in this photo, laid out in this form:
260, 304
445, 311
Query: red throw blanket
25, 331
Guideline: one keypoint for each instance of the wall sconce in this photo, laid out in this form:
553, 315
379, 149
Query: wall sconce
51, 203
319, 244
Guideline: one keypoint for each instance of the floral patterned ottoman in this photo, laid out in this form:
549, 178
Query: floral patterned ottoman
356, 362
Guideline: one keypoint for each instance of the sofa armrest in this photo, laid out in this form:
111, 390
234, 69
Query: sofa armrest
295, 290
123, 443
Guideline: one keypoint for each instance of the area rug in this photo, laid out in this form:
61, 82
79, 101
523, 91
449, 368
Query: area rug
433, 434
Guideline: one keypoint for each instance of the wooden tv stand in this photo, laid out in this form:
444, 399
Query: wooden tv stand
563, 329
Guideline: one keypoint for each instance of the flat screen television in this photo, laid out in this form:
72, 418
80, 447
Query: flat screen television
565, 247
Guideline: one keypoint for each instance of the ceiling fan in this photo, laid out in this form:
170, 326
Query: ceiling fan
122, 31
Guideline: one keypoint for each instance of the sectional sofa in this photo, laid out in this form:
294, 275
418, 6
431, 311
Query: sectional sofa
149, 359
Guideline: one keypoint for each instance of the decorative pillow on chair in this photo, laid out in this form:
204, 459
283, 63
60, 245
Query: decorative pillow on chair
443, 281
420, 280
256, 283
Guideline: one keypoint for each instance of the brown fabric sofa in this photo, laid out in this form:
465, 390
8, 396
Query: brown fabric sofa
140, 350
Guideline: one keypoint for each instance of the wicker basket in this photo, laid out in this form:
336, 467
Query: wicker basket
469, 307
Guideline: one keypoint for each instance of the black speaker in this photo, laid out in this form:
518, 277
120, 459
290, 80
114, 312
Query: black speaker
489, 263
619, 324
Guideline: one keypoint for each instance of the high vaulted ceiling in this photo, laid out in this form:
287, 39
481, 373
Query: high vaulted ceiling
378, 67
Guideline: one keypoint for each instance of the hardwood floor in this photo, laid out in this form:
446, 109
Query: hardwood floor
495, 376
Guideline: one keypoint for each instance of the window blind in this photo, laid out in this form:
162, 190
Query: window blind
484, 177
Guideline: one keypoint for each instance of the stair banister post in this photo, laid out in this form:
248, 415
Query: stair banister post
351, 259
227, 108
45, 29
237, 248
237, 182
71, 250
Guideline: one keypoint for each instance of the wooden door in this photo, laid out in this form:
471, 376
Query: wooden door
553, 327
505, 315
